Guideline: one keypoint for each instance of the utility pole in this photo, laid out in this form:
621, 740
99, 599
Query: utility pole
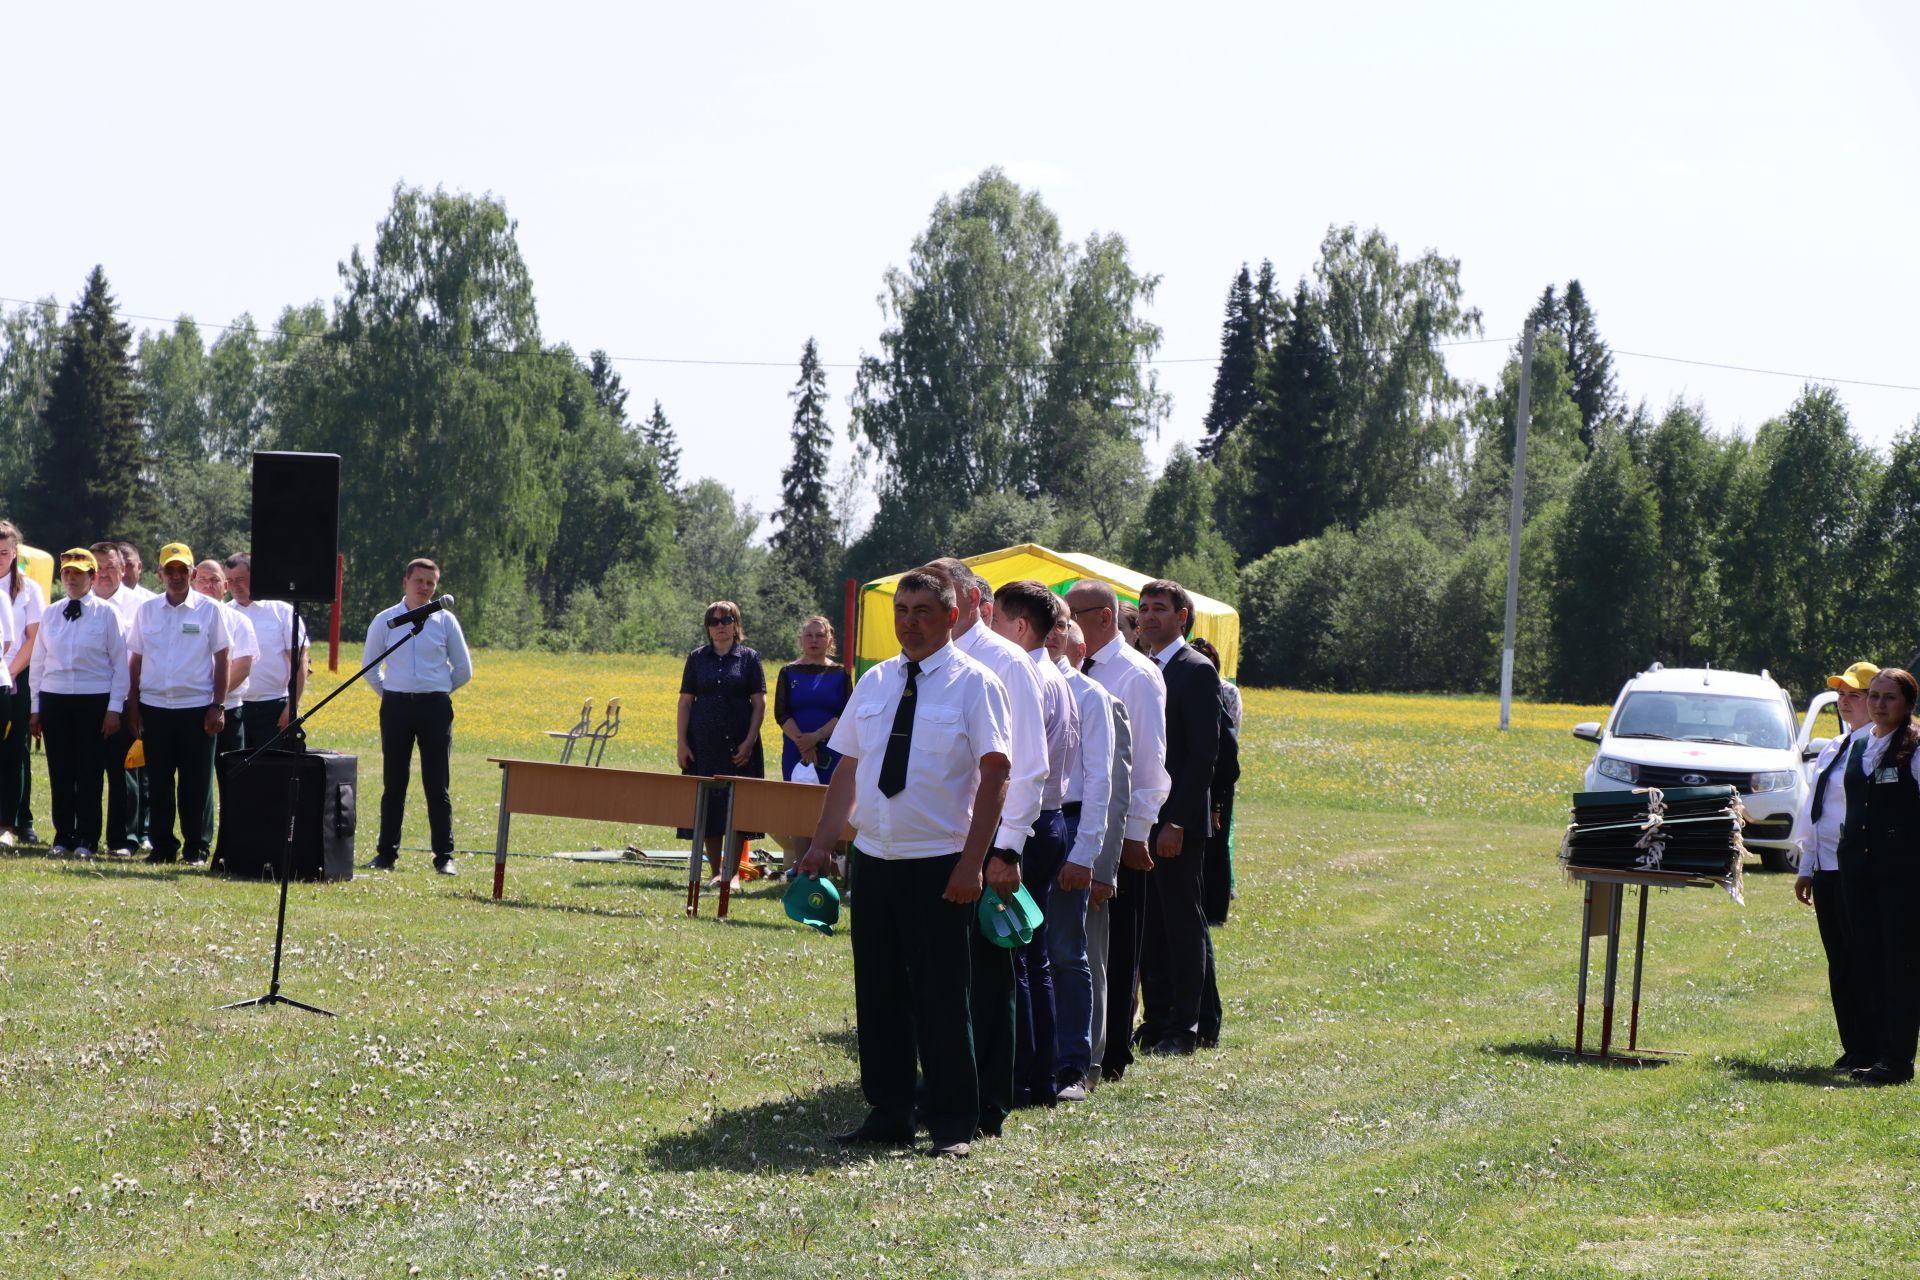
1514, 520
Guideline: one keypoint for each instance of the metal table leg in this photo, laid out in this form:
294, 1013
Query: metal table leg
1580, 1011
1616, 894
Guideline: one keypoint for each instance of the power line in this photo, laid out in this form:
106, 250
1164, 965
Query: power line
713, 362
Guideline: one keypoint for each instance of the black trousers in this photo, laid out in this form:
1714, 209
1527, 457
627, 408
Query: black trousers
179, 778
1035, 1013
1128, 906
1219, 886
912, 967
233, 737
260, 721
16, 760
1855, 1022
993, 1003
1174, 945
407, 719
76, 762
1882, 896
123, 798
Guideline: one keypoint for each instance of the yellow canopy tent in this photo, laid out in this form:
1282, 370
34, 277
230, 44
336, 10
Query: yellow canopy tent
38, 565
1216, 621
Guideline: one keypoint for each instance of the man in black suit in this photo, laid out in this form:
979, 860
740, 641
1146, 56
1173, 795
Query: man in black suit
1174, 950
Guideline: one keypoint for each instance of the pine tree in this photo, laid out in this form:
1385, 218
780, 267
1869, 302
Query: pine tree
1589, 362
607, 388
806, 534
90, 476
660, 438
1233, 382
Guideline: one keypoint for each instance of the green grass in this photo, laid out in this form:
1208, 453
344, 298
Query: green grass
580, 1078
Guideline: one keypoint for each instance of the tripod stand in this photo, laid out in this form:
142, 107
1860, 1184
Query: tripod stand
296, 730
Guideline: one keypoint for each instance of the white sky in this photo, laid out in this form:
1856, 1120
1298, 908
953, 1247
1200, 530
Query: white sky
1731, 182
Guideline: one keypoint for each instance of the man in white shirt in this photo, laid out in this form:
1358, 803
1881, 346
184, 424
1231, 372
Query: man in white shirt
995, 1013
415, 686
127, 790
210, 580
177, 690
924, 746
272, 698
1133, 679
130, 571
1095, 805
1816, 834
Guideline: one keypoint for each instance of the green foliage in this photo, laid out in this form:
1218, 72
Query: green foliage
1589, 362
1607, 559
1287, 600
29, 354
1234, 390
90, 473
664, 446
806, 539
1176, 538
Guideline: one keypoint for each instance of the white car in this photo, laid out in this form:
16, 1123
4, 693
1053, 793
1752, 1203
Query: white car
1699, 728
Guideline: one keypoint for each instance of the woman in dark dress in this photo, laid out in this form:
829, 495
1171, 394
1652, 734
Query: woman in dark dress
808, 697
723, 698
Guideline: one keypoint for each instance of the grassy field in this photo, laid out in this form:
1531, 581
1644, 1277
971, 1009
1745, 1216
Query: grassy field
581, 1082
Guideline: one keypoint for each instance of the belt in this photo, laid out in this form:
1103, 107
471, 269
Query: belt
430, 693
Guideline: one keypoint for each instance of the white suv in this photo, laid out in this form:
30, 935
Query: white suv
1700, 728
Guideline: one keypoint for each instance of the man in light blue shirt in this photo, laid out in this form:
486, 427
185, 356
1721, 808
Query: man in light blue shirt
415, 685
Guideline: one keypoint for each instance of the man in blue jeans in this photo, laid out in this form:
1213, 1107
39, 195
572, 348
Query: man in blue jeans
1095, 807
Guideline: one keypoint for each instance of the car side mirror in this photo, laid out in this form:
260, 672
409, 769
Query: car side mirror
1813, 749
1587, 731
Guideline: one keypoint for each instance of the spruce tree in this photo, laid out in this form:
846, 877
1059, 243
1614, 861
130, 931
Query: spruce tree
607, 388
1233, 381
805, 538
665, 445
1589, 362
89, 478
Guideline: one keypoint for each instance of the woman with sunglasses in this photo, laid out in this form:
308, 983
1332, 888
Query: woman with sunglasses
723, 699
79, 690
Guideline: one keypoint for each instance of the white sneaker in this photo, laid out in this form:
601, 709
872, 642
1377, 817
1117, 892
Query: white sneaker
122, 852
8, 839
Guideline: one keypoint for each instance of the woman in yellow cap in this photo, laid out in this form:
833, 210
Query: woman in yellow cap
79, 691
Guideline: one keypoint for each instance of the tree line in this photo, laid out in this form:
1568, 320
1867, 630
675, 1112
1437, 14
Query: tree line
1350, 494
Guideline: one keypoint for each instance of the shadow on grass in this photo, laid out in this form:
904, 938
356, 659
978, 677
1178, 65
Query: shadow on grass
1554, 1051
629, 913
846, 1039
772, 1137
1761, 1071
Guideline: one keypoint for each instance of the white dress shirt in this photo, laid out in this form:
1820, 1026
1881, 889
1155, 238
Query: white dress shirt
177, 644
29, 607
1132, 677
1089, 766
86, 655
1162, 658
245, 645
1061, 713
960, 716
1021, 679
10, 638
1819, 844
274, 628
126, 602
435, 661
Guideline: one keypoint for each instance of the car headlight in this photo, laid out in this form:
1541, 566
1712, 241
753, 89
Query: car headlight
1620, 770
1779, 780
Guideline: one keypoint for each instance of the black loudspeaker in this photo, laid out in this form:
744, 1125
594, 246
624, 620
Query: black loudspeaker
296, 525
253, 815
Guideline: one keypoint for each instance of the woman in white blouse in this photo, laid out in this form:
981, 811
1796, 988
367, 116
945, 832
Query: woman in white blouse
79, 691
28, 603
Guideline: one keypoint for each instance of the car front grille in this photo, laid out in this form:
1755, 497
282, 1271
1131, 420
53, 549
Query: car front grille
1652, 776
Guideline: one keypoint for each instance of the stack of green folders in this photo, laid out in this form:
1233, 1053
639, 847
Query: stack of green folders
1683, 831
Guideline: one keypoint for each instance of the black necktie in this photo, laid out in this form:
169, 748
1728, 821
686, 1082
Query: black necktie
72, 611
1820, 785
893, 768
1086, 667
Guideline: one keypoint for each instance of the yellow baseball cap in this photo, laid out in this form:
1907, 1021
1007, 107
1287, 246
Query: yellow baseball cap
176, 551
79, 558
1856, 677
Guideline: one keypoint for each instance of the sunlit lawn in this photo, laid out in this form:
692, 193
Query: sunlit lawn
580, 1079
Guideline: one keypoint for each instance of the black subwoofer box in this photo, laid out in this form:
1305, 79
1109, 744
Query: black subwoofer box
253, 814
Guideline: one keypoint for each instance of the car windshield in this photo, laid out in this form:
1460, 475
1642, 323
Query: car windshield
1705, 717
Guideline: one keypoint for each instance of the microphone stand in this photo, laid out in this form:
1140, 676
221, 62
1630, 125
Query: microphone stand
296, 730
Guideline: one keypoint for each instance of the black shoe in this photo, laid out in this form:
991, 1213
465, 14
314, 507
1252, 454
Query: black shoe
1173, 1047
158, 858
869, 1134
196, 859
1848, 1062
1209, 1041
444, 865
1883, 1073
384, 862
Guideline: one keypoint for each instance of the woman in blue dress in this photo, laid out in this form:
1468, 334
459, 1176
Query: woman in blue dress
808, 697
723, 698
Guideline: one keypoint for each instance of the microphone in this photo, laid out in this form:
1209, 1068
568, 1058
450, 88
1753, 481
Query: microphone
413, 617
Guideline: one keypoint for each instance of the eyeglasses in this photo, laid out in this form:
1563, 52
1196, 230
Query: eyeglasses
1095, 609
720, 620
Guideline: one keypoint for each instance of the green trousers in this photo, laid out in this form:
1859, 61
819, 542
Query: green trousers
912, 972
